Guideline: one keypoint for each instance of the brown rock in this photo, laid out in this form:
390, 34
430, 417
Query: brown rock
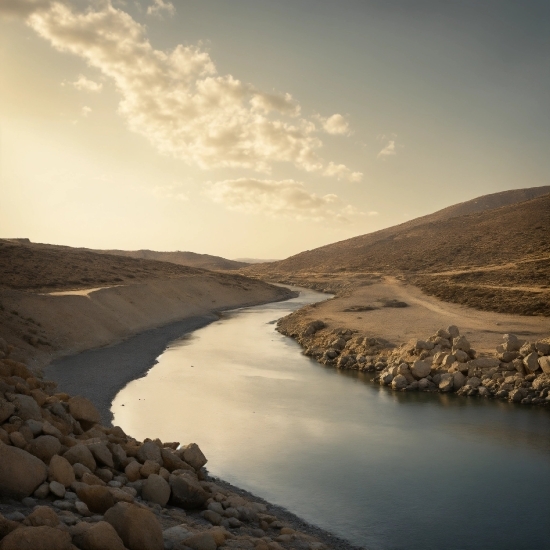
132, 471
60, 470
81, 454
149, 451
193, 456
148, 468
27, 408
42, 515
120, 495
37, 538
201, 541
100, 536
91, 479
102, 454
156, 489
20, 472
187, 492
45, 447
79, 470
98, 499
84, 411
17, 440
6, 410
7, 526
172, 461
138, 528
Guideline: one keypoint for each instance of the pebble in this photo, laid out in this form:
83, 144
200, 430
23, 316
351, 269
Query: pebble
29, 502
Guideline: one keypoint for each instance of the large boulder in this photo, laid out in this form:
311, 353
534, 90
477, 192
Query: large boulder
446, 383
138, 528
193, 456
172, 461
37, 538
84, 411
461, 343
60, 470
544, 363
187, 492
42, 515
156, 489
149, 451
458, 380
102, 454
99, 536
421, 369
98, 499
45, 447
399, 382
531, 362
81, 454
20, 472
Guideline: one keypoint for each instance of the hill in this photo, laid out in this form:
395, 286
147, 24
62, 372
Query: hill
191, 259
497, 258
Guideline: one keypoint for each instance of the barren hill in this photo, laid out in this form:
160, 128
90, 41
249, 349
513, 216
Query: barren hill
191, 259
495, 259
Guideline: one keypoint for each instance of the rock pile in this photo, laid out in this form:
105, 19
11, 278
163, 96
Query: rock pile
68, 482
518, 371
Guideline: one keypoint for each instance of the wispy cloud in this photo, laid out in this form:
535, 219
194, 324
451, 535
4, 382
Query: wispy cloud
84, 84
286, 198
177, 99
159, 6
86, 111
336, 125
388, 150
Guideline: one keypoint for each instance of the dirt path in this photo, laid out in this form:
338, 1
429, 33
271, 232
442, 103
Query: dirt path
423, 316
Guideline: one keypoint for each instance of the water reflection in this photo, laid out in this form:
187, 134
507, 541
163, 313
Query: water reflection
385, 470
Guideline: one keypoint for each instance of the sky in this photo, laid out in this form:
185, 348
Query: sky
262, 128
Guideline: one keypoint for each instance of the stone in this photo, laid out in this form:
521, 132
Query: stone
172, 461
423, 345
99, 536
79, 469
531, 362
45, 447
60, 470
544, 363
543, 347
138, 528
101, 454
82, 455
516, 395
58, 489
399, 382
7, 526
84, 410
386, 378
474, 382
461, 356
43, 491
18, 440
42, 515
187, 492
446, 383
149, 467
132, 471
461, 343
213, 517
37, 538
149, 451
175, 536
453, 331
156, 489
121, 495
118, 454
98, 499
193, 456
92, 479
104, 474
201, 541
458, 380
7, 409
420, 369
82, 508
20, 473
27, 408
511, 342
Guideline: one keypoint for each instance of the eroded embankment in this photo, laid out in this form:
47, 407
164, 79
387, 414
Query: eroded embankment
518, 370
45, 326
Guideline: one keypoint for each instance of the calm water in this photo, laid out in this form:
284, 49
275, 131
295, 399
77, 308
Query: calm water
384, 470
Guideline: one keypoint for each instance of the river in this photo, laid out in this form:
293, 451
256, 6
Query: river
383, 470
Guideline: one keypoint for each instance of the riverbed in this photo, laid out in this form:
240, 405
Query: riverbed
383, 470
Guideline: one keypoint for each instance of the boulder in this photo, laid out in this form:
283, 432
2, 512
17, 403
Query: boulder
60, 470
20, 472
149, 451
201, 541
84, 411
474, 382
174, 537
119, 455
27, 408
511, 342
57, 489
97, 498
453, 331
461, 343
313, 327
531, 362
187, 492
37, 538
543, 347
149, 467
45, 447
544, 363
102, 454
42, 515
172, 461
7, 526
420, 369
461, 356
132, 471
156, 489
138, 528
193, 456
6, 410
446, 383
81, 454
458, 380
99, 536
423, 345
399, 382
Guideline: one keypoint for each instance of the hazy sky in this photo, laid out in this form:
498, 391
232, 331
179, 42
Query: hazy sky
262, 128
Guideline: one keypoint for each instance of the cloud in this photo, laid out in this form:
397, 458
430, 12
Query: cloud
287, 198
22, 8
388, 150
86, 111
342, 172
86, 85
159, 6
178, 101
336, 125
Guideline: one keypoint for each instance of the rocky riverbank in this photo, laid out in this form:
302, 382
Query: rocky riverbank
67, 481
517, 371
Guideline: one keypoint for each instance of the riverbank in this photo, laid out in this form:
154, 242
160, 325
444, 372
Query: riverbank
67, 480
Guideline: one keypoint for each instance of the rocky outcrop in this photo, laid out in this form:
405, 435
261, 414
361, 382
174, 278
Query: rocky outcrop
518, 371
